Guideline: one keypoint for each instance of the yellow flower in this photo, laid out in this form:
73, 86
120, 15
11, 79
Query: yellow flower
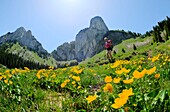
13, 71
138, 75
67, 80
108, 79
63, 84
157, 76
108, 87
119, 102
26, 68
6, 81
135, 105
7, 72
4, 76
128, 81
39, 74
125, 70
119, 72
73, 82
91, 98
151, 71
116, 64
78, 87
10, 82
128, 92
116, 80
77, 78
1, 77
9, 75
94, 74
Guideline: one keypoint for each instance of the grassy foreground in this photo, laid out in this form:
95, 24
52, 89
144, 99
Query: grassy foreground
141, 84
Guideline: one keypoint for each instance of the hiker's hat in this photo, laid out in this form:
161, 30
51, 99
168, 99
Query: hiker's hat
105, 38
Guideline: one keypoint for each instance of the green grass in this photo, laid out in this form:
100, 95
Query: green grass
33, 90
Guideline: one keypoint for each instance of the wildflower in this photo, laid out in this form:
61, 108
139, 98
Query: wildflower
26, 68
116, 64
38, 74
64, 69
9, 75
116, 80
67, 80
108, 87
157, 76
63, 84
1, 77
108, 79
7, 72
119, 72
77, 78
151, 71
94, 74
123, 97
128, 92
73, 82
125, 70
128, 81
10, 82
138, 75
6, 81
78, 87
135, 105
13, 71
119, 102
91, 98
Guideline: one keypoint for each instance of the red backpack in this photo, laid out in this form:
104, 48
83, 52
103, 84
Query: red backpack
108, 44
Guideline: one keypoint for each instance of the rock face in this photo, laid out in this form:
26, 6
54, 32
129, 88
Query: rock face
25, 38
88, 38
65, 52
85, 44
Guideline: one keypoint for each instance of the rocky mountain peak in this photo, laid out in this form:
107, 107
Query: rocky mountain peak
98, 23
20, 30
24, 38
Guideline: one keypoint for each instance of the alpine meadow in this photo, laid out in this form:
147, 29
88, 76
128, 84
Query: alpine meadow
31, 79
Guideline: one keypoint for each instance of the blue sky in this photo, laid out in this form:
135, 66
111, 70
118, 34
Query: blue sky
54, 22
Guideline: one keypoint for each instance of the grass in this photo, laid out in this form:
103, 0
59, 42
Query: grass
70, 89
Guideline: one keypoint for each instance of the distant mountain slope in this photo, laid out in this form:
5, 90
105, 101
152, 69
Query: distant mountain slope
24, 38
25, 45
27, 55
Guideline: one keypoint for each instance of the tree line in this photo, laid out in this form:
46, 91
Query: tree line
161, 31
14, 61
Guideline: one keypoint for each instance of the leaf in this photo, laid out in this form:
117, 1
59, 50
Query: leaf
161, 96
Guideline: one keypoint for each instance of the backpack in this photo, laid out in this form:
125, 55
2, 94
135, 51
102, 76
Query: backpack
108, 44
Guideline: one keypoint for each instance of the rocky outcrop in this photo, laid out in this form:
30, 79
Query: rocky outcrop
25, 38
87, 39
85, 44
65, 52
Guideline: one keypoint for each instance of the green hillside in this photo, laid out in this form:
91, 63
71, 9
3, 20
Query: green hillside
141, 84
144, 47
25, 54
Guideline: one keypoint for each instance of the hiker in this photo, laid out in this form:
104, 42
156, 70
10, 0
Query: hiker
108, 46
